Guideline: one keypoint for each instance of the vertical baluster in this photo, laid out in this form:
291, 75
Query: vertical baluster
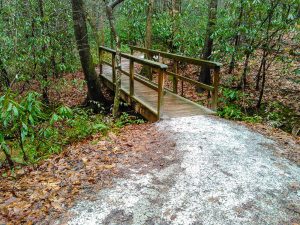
216, 89
131, 76
150, 68
161, 81
175, 79
113, 63
100, 61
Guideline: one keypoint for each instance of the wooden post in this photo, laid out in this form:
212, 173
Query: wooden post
113, 64
161, 81
216, 89
131, 51
100, 61
160, 59
175, 79
150, 68
131, 77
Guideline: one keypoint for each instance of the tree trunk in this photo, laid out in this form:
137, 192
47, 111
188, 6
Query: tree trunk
54, 66
4, 74
146, 70
81, 34
109, 10
258, 75
243, 82
236, 40
261, 93
101, 30
8, 157
44, 48
204, 76
148, 38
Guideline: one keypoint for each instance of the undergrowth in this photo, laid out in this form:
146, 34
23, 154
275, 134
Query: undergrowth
234, 106
31, 131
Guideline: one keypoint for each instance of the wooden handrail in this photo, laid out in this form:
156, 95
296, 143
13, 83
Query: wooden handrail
136, 59
161, 68
198, 62
215, 66
198, 84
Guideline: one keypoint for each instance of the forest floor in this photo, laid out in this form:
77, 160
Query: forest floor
195, 170
42, 193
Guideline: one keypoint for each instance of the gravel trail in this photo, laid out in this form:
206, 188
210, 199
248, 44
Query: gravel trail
219, 173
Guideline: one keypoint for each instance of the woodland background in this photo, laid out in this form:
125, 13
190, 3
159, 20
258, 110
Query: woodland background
42, 87
58, 139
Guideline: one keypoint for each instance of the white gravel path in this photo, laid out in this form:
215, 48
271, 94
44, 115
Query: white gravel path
226, 174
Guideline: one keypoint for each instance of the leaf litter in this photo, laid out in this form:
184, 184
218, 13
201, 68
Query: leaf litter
40, 193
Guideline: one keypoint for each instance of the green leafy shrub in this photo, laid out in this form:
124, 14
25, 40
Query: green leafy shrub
230, 109
231, 112
279, 116
30, 131
18, 120
126, 119
83, 124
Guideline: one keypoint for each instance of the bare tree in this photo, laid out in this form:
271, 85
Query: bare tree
204, 75
44, 48
4, 74
148, 38
236, 39
81, 34
109, 11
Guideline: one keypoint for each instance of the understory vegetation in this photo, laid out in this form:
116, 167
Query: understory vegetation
31, 130
46, 102
233, 105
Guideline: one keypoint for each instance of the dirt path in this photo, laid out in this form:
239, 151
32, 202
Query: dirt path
198, 170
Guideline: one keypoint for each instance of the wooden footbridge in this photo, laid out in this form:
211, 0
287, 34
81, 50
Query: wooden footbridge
148, 96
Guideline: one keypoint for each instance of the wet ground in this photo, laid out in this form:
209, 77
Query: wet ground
204, 171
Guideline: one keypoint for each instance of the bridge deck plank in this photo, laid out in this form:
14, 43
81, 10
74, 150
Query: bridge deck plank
174, 105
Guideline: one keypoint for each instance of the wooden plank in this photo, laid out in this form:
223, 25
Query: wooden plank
143, 80
131, 76
107, 49
142, 107
194, 61
161, 80
175, 78
100, 61
216, 89
198, 84
106, 63
138, 60
113, 65
145, 99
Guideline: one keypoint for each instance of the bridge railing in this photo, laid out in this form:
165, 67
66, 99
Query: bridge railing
159, 67
214, 88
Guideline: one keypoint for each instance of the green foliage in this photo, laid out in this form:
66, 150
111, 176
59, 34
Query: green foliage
274, 113
231, 112
230, 108
32, 43
19, 119
83, 124
126, 119
279, 116
230, 95
30, 131
79, 83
